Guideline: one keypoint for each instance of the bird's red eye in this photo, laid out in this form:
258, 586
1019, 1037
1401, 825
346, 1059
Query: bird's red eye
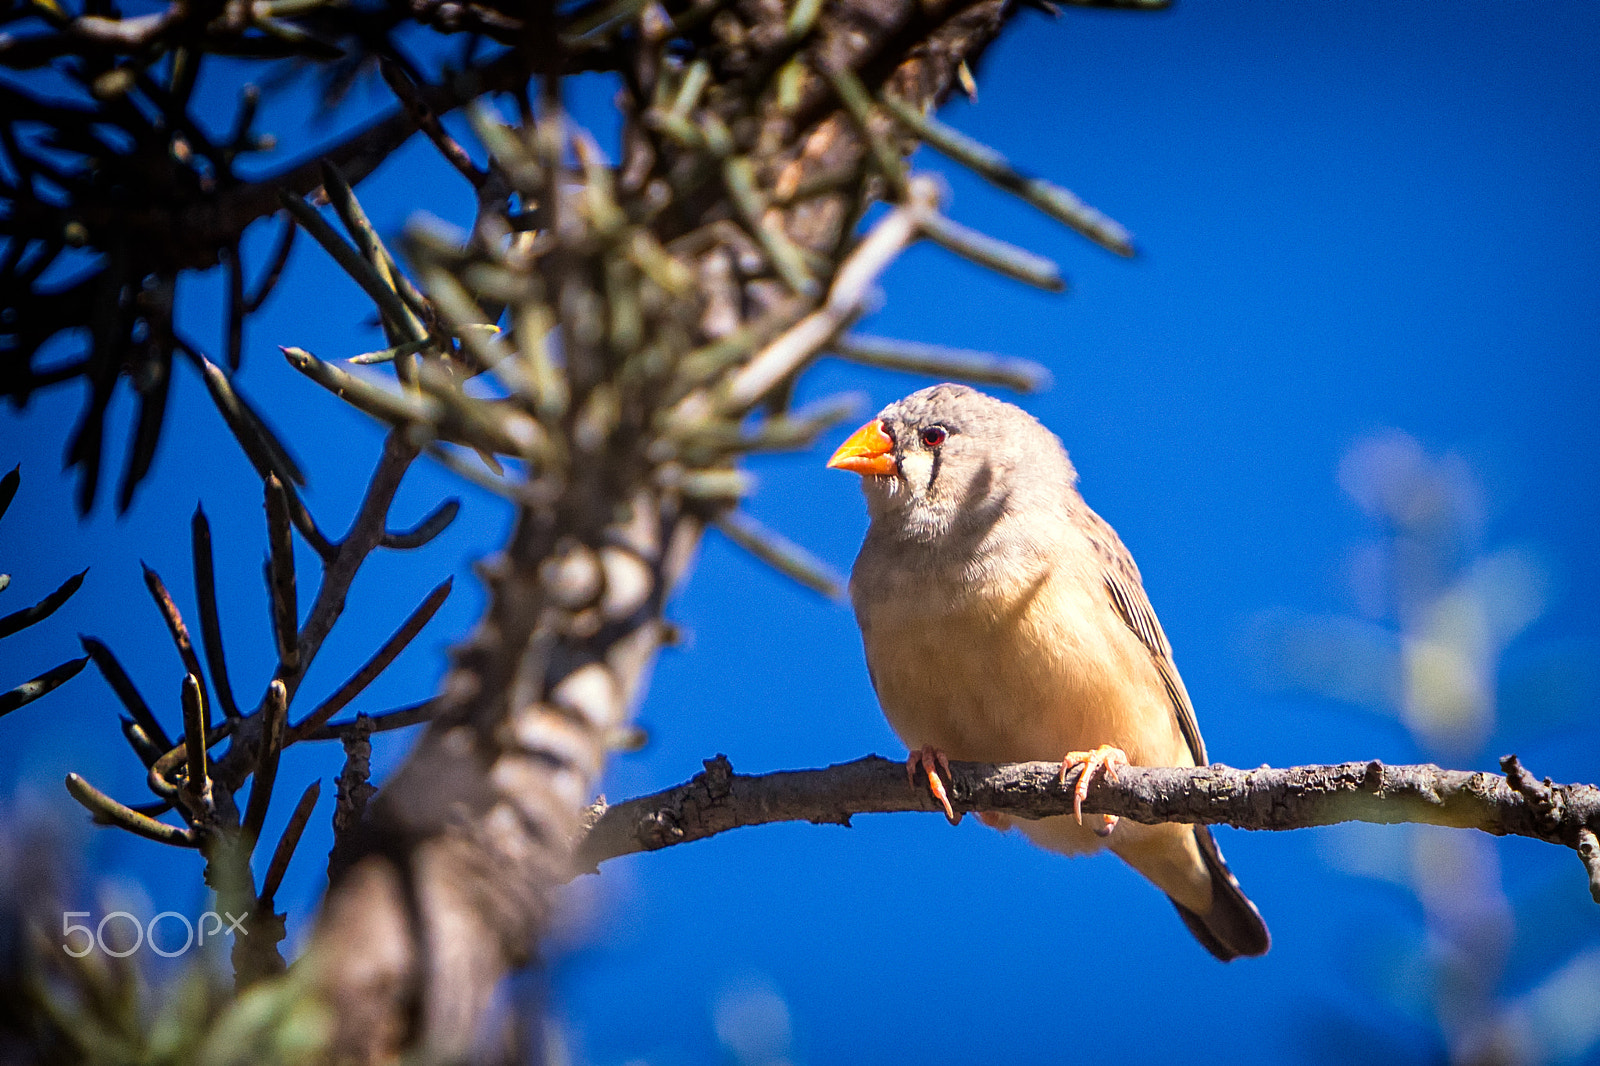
934, 436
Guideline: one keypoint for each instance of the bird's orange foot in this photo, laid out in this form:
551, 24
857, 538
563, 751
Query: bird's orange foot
932, 760
1088, 763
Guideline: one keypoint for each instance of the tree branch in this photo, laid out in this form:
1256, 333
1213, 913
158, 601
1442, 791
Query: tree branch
1268, 798
449, 877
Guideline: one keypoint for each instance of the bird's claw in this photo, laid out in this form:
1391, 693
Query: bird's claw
932, 760
1088, 763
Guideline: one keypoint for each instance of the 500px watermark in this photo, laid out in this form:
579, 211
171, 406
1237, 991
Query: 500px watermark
194, 933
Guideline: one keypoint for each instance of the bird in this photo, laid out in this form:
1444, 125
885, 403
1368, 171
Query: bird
1003, 620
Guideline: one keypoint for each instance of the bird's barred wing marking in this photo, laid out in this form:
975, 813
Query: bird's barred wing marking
1128, 597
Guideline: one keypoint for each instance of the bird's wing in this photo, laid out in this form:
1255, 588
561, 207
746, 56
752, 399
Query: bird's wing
1233, 925
1128, 597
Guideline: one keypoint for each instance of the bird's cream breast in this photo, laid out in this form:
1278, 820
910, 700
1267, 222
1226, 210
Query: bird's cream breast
1028, 668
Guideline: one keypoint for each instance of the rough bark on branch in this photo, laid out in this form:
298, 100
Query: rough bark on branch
1269, 798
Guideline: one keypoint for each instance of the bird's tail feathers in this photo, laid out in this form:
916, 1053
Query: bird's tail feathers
1233, 927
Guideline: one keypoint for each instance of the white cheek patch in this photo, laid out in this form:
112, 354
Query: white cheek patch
917, 469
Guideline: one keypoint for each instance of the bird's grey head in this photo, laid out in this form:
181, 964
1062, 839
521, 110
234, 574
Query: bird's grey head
952, 460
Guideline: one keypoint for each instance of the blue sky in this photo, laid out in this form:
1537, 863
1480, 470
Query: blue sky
1354, 217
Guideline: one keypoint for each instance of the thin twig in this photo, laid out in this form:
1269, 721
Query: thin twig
994, 254
205, 587
140, 742
935, 360
428, 122
175, 627
8, 488
275, 265
261, 445
109, 812
397, 315
196, 727
274, 712
374, 666
46, 607
401, 718
781, 554
281, 576
233, 263
372, 248
287, 843
364, 536
123, 686
989, 164
434, 523
396, 408
46, 682
847, 299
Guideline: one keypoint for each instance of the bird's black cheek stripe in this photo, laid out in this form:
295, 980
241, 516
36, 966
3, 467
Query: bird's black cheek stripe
933, 471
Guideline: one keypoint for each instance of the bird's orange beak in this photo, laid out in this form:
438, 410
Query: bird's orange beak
869, 450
